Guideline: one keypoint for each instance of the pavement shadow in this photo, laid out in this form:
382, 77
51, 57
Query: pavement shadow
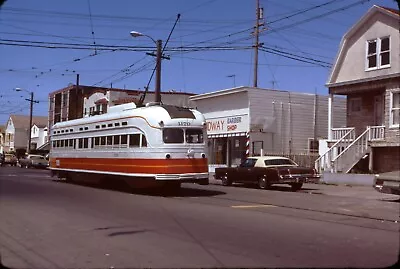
282, 188
122, 186
185, 191
391, 200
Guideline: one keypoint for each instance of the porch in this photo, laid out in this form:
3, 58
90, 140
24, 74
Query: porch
346, 149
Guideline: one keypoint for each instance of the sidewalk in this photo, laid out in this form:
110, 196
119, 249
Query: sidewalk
363, 192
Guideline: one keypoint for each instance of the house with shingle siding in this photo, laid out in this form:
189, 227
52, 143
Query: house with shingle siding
16, 131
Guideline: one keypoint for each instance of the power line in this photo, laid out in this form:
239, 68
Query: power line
319, 16
91, 27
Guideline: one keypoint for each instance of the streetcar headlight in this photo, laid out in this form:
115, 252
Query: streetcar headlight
168, 156
203, 155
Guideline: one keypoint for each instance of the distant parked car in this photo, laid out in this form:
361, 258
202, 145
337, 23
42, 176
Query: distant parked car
388, 182
10, 159
31, 160
266, 171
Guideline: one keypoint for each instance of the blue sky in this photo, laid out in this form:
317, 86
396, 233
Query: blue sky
209, 49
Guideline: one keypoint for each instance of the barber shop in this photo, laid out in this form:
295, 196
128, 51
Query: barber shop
247, 121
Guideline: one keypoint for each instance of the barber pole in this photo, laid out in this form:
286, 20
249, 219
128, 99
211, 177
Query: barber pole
247, 144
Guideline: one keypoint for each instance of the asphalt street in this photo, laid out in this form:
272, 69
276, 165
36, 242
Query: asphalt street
52, 224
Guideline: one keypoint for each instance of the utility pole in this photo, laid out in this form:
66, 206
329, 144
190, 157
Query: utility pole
259, 16
30, 124
157, 92
159, 57
30, 116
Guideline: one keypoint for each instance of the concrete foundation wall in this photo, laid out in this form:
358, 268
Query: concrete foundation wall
350, 179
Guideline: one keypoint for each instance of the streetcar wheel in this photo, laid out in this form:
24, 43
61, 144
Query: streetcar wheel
226, 181
296, 186
263, 183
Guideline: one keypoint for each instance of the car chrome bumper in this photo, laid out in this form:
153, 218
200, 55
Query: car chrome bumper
299, 179
388, 188
192, 177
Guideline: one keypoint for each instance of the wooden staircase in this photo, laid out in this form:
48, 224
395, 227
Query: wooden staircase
348, 150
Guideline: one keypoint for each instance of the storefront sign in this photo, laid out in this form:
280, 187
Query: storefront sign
228, 124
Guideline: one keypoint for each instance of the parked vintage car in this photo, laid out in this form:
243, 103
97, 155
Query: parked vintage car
388, 182
31, 160
10, 159
266, 171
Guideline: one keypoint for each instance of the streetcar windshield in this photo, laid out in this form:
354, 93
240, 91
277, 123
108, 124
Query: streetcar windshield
194, 136
173, 135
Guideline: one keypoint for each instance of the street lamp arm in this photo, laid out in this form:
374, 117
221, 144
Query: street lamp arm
137, 34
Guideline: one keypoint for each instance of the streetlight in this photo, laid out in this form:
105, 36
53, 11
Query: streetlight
158, 43
30, 115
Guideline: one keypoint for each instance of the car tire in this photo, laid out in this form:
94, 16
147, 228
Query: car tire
263, 183
296, 186
226, 181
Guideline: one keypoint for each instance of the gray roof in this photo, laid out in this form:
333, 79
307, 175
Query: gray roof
22, 121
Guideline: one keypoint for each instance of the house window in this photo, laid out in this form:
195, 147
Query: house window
394, 118
313, 145
378, 53
355, 104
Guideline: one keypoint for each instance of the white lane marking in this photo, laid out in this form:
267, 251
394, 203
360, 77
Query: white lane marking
252, 206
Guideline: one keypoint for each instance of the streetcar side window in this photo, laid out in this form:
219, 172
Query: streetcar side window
85, 143
194, 136
173, 135
116, 141
134, 140
96, 142
124, 141
144, 141
109, 140
103, 140
71, 143
80, 143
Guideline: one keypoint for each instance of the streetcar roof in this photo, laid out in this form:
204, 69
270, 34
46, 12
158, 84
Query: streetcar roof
153, 114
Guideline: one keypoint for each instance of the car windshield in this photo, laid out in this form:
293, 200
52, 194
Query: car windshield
279, 162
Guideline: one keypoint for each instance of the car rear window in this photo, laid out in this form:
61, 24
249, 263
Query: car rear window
279, 162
